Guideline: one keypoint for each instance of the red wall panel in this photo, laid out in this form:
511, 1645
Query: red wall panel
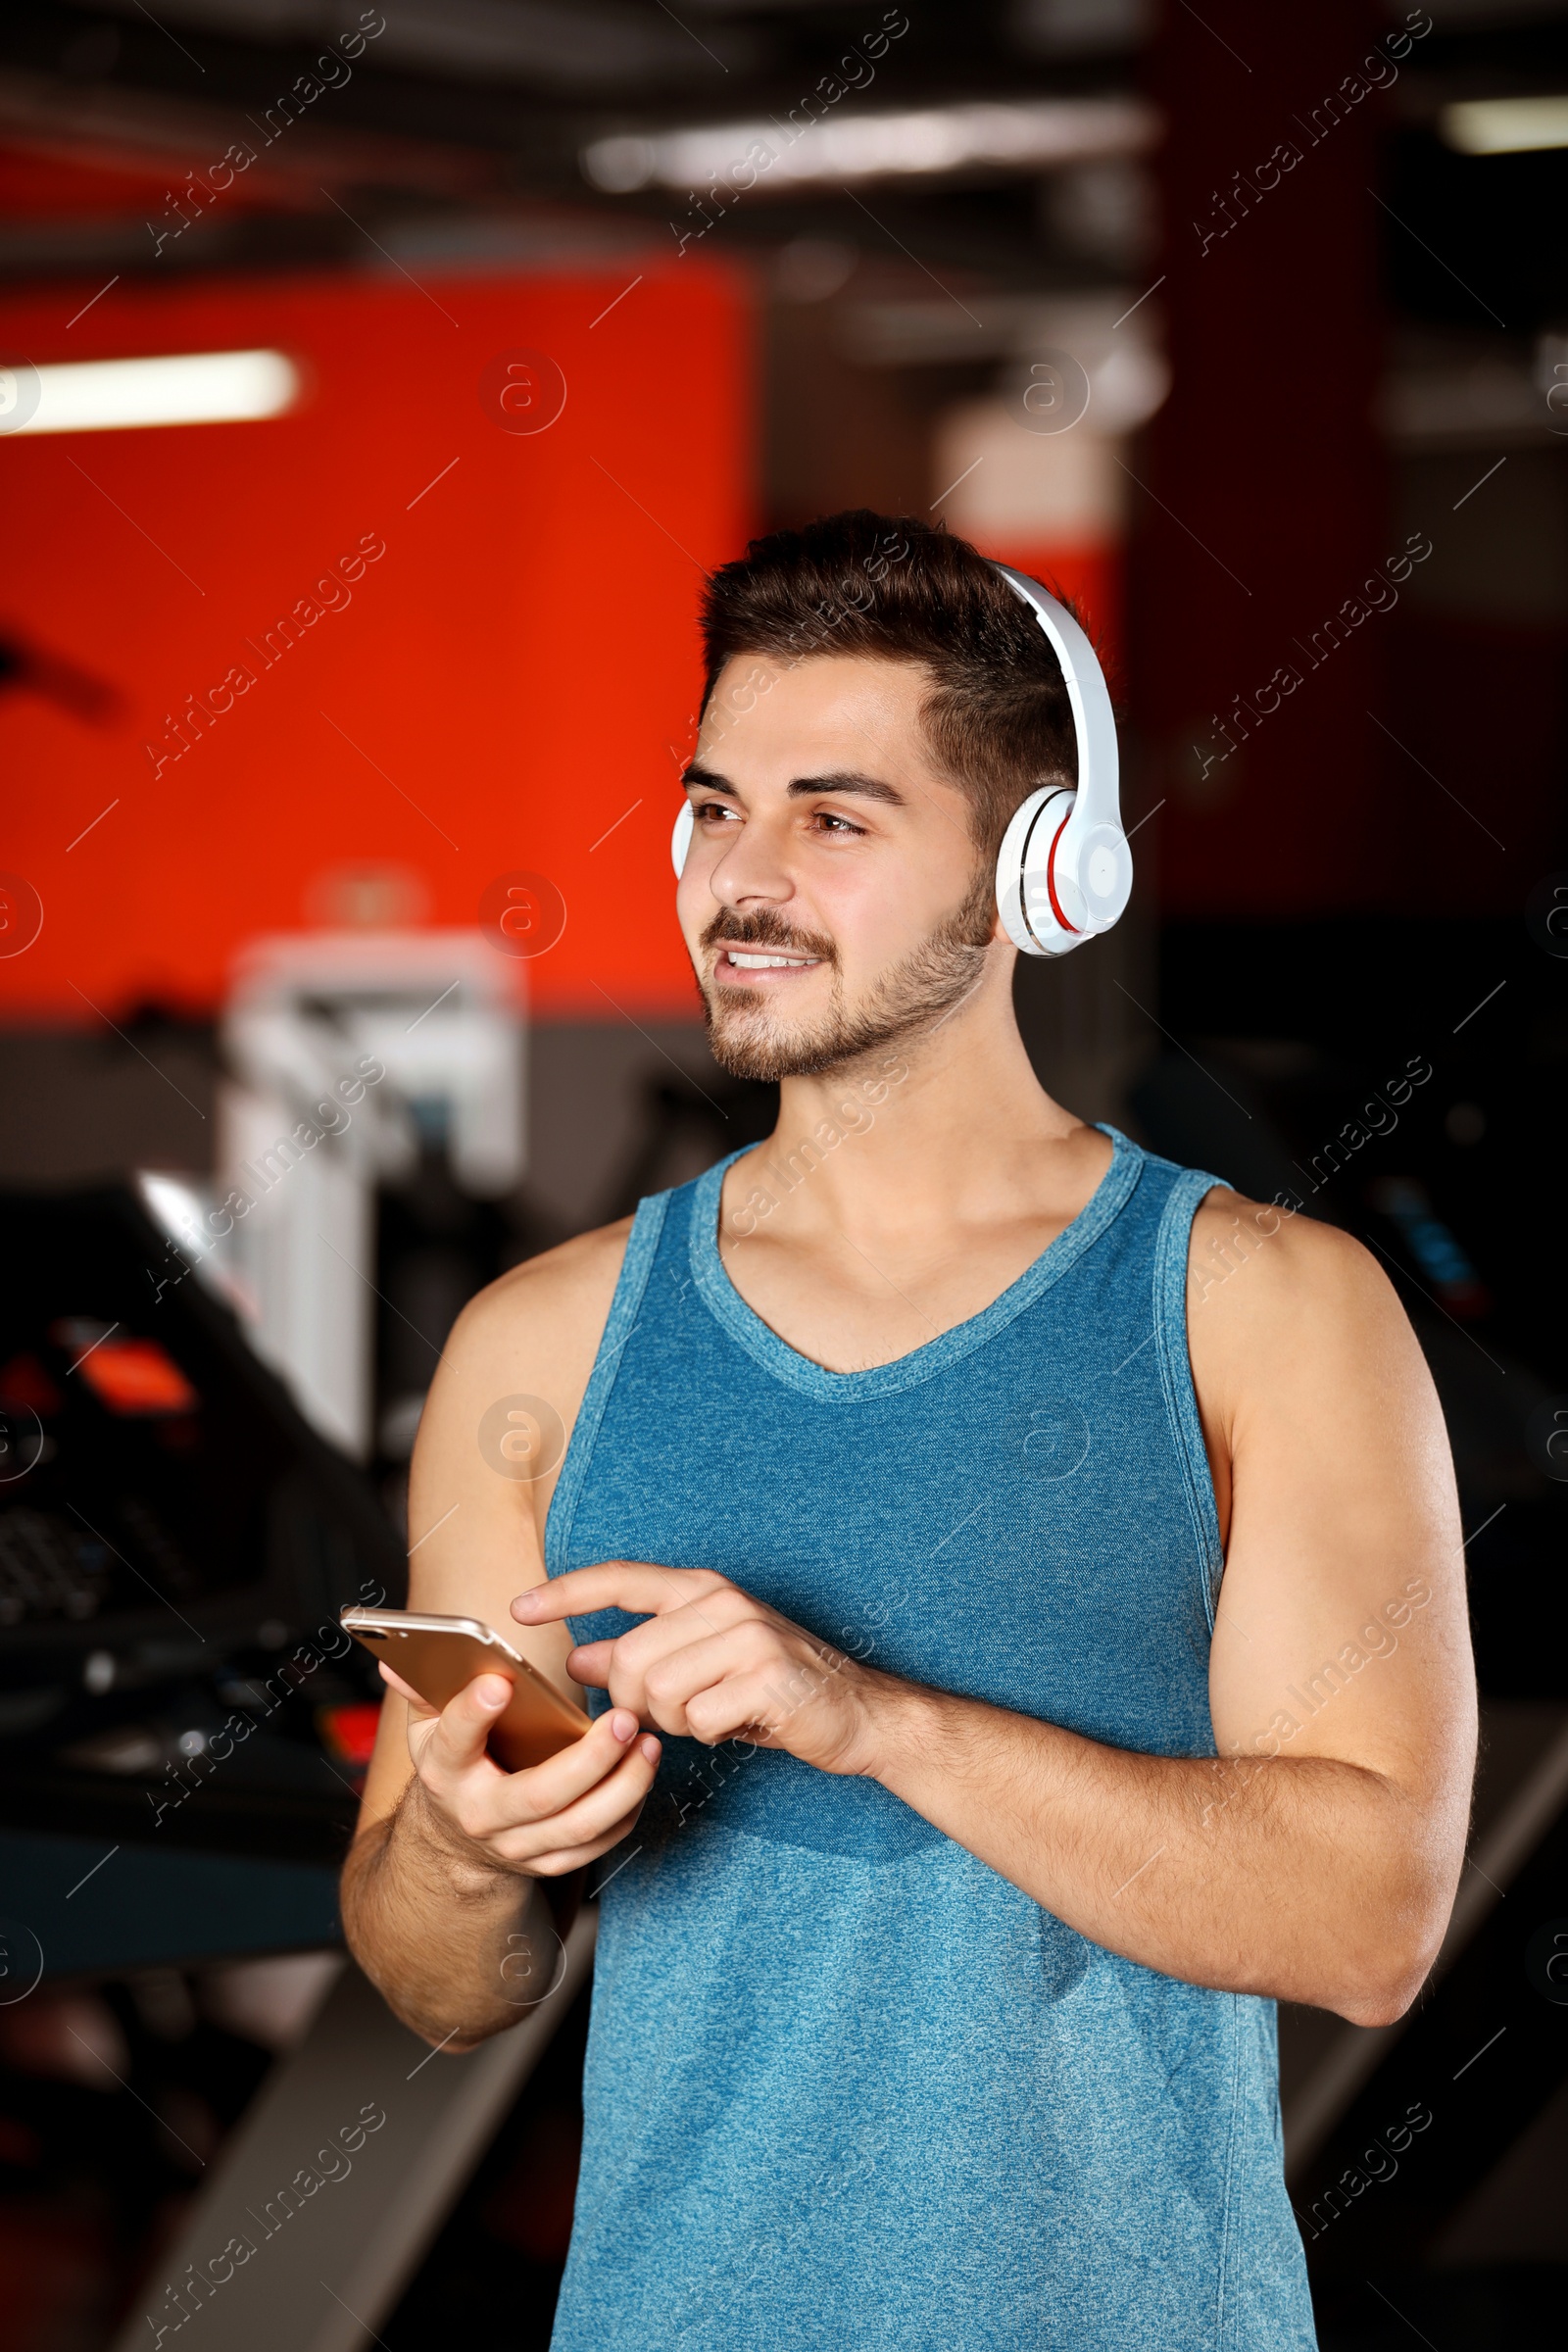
513, 669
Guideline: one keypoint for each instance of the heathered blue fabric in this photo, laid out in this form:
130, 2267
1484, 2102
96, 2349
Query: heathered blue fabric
846, 2087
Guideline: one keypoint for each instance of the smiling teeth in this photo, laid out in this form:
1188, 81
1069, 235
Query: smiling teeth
769, 963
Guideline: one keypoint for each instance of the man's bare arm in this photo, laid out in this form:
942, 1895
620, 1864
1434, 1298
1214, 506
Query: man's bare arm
446, 1901
1322, 1881
444, 1889
1316, 1859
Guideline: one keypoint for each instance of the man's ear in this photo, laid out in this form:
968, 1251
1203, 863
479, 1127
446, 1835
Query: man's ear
999, 930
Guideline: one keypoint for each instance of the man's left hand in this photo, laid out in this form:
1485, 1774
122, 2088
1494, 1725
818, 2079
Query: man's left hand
712, 1663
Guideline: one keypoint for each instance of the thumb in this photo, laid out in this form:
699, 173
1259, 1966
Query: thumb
458, 1735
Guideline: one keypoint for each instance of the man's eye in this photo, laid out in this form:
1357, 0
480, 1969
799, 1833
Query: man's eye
706, 809
833, 823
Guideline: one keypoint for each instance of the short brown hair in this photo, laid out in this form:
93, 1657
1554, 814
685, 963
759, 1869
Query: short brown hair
997, 717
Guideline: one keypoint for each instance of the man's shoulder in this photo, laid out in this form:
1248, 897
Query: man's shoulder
1297, 1336
547, 1312
1263, 1275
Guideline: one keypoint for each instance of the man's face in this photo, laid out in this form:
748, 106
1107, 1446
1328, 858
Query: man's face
833, 901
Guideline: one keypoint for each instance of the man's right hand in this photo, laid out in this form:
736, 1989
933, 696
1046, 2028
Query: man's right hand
541, 1823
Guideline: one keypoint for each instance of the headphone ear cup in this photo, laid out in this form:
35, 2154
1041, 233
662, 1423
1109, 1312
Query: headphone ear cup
1022, 897
681, 840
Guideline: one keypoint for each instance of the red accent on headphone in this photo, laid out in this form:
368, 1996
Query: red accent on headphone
1051, 876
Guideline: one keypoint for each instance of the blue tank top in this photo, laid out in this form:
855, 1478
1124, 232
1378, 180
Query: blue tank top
845, 2087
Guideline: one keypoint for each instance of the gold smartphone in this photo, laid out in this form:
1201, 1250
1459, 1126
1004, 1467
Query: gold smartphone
438, 1656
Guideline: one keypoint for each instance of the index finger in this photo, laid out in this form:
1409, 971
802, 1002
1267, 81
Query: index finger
420, 1708
636, 1586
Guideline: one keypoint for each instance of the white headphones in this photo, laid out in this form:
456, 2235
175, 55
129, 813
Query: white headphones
1064, 871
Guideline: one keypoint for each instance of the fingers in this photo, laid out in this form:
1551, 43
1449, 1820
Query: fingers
799, 1706
634, 1652
419, 1709
548, 1788
658, 1690
756, 1706
591, 1826
486, 1802
636, 1586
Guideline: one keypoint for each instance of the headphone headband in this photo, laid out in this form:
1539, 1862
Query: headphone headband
1064, 871
1092, 719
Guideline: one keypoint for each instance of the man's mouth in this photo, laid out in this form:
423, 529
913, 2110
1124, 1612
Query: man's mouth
761, 956
764, 960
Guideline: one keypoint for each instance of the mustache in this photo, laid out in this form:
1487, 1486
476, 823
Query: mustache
766, 928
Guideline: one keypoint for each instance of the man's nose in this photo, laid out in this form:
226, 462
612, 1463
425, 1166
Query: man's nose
754, 869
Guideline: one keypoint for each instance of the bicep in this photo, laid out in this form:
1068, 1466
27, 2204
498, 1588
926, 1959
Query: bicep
473, 1544
476, 1516
1342, 1627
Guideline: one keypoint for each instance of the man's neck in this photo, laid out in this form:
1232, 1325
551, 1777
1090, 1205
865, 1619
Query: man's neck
950, 1127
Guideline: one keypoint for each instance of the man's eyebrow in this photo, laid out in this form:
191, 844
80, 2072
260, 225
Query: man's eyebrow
846, 781
868, 788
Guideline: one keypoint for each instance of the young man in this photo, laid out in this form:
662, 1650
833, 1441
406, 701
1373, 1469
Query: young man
935, 1979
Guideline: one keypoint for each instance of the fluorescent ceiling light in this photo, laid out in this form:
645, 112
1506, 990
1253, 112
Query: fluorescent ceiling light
1504, 125
104, 396
1038, 135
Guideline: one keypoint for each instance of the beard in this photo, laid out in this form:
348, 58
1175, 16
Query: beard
748, 1039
